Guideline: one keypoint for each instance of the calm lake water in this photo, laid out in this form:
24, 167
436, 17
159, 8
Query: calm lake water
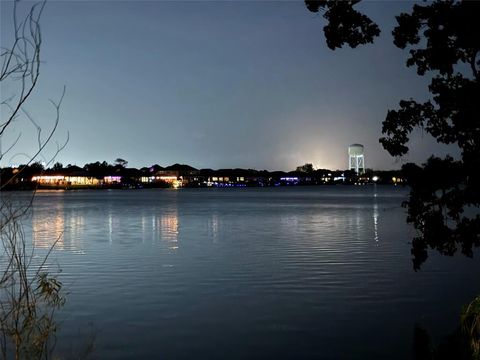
276, 273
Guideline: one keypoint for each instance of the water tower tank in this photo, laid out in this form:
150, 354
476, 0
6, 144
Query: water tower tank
356, 158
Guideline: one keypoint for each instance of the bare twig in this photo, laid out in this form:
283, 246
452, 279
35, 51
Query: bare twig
29, 293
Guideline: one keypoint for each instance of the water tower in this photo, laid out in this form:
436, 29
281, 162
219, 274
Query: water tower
356, 159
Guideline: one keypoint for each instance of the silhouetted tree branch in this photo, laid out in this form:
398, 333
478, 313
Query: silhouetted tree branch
345, 24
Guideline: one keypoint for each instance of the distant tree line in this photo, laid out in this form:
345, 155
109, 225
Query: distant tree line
131, 177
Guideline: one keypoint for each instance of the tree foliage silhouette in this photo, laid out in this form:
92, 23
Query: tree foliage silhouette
443, 42
345, 24
306, 168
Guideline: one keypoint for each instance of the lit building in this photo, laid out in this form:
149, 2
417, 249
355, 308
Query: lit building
73, 176
63, 181
112, 180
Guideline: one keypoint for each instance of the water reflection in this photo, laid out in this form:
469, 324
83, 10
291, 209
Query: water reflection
161, 228
48, 228
289, 221
213, 228
57, 227
375, 222
169, 229
375, 215
110, 227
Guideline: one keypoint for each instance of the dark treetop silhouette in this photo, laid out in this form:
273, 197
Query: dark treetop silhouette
443, 42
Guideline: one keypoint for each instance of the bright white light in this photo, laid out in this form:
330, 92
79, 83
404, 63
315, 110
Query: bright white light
375, 178
47, 178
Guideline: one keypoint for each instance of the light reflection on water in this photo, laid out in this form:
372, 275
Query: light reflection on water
51, 227
48, 228
375, 215
168, 229
304, 273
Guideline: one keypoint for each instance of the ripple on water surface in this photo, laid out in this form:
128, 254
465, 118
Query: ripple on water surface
304, 273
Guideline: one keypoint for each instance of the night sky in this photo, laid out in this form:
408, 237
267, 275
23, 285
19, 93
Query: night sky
214, 85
